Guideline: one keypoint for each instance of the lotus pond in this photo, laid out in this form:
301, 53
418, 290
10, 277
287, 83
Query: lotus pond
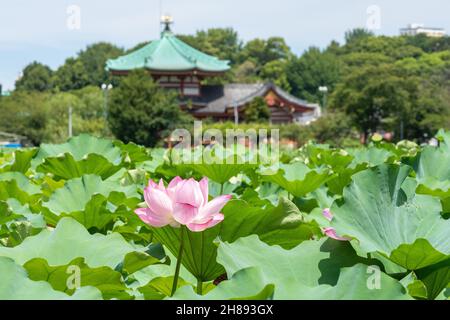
369, 223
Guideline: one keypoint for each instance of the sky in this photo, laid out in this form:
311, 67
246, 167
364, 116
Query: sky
49, 31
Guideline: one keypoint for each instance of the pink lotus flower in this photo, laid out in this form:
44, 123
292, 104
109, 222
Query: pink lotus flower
183, 202
330, 231
327, 214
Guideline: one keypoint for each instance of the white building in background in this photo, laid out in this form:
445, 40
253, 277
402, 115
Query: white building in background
416, 28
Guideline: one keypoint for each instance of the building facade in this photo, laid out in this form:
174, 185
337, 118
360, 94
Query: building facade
177, 66
416, 29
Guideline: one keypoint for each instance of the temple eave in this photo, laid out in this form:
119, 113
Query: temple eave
159, 72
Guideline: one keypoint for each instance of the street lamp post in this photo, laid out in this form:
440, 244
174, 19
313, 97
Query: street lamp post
106, 88
70, 122
324, 91
236, 113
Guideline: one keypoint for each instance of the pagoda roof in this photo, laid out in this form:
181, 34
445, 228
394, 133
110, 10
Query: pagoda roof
168, 54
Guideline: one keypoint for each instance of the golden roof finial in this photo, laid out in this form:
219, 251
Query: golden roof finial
166, 20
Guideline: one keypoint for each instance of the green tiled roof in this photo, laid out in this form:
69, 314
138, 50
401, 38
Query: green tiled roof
168, 54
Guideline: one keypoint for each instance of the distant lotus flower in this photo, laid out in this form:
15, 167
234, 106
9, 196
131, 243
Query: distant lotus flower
330, 231
183, 202
327, 214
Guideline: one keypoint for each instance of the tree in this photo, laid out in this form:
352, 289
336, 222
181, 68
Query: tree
276, 72
312, 70
88, 68
94, 59
142, 112
257, 111
25, 113
357, 34
431, 110
71, 76
264, 51
334, 128
223, 43
428, 44
35, 77
394, 47
87, 113
377, 97
245, 72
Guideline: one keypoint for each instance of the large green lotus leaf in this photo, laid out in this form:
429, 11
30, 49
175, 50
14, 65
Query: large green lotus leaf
255, 284
324, 269
98, 215
297, 178
6, 213
216, 189
15, 285
21, 162
199, 250
23, 182
70, 240
17, 222
416, 255
338, 161
262, 196
80, 147
108, 281
158, 157
9, 189
12, 209
147, 274
132, 153
16, 232
217, 163
66, 167
444, 137
339, 181
320, 155
160, 287
168, 171
415, 287
402, 150
433, 172
382, 213
246, 284
76, 193
435, 278
371, 156
280, 225
220, 173
135, 261
361, 159
266, 192
311, 263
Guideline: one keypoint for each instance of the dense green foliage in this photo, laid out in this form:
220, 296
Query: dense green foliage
43, 116
86, 69
70, 207
143, 113
397, 84
35, 77
257, 111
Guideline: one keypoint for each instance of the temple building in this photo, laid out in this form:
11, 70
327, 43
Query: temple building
177, 66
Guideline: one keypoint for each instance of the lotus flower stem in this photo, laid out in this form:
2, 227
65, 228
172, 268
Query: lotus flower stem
179, 258
199, 287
